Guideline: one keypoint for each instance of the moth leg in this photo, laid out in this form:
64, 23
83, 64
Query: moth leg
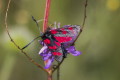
58, 25
63, 50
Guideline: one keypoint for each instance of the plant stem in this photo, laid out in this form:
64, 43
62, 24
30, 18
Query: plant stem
58, 73
45, 25
84, 14
57, 66
46, 15
49, 74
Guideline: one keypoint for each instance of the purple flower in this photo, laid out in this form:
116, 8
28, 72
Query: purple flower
49, 57
46, 55
73, 51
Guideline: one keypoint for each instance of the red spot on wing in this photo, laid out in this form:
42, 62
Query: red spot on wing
53, 31
64, 32
52, 47
47, 41
56, 53
70, 28
63, 39
62, 29
57, 43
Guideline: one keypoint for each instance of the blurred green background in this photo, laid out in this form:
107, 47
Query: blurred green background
99, 41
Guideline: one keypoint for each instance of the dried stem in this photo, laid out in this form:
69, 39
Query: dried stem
58, 73
84, 19
85, 16
50, 76
29, 58
58, 66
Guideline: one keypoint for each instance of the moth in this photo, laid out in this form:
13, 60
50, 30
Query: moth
57, 43
59, 39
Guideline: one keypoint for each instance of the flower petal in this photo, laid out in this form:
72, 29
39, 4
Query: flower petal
49, 62
43, 48
41, 42
73, 51
48, 55
71, 48
76, 53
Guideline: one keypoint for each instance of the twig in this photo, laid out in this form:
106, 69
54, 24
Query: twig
58, 66
29, 58
50, 76
58, 73
84, 19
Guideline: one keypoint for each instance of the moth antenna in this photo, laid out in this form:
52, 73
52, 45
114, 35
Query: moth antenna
30, 42
37, 22
85, 16
58, 25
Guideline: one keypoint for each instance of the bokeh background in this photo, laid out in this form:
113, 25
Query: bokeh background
99, 41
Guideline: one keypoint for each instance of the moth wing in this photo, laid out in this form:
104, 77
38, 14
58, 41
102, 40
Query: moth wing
66, 34
55, 48
59, 58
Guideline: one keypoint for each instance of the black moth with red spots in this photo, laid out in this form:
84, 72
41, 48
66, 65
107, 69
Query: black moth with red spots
57, 40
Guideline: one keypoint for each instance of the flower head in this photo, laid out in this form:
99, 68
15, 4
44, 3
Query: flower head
49, 56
